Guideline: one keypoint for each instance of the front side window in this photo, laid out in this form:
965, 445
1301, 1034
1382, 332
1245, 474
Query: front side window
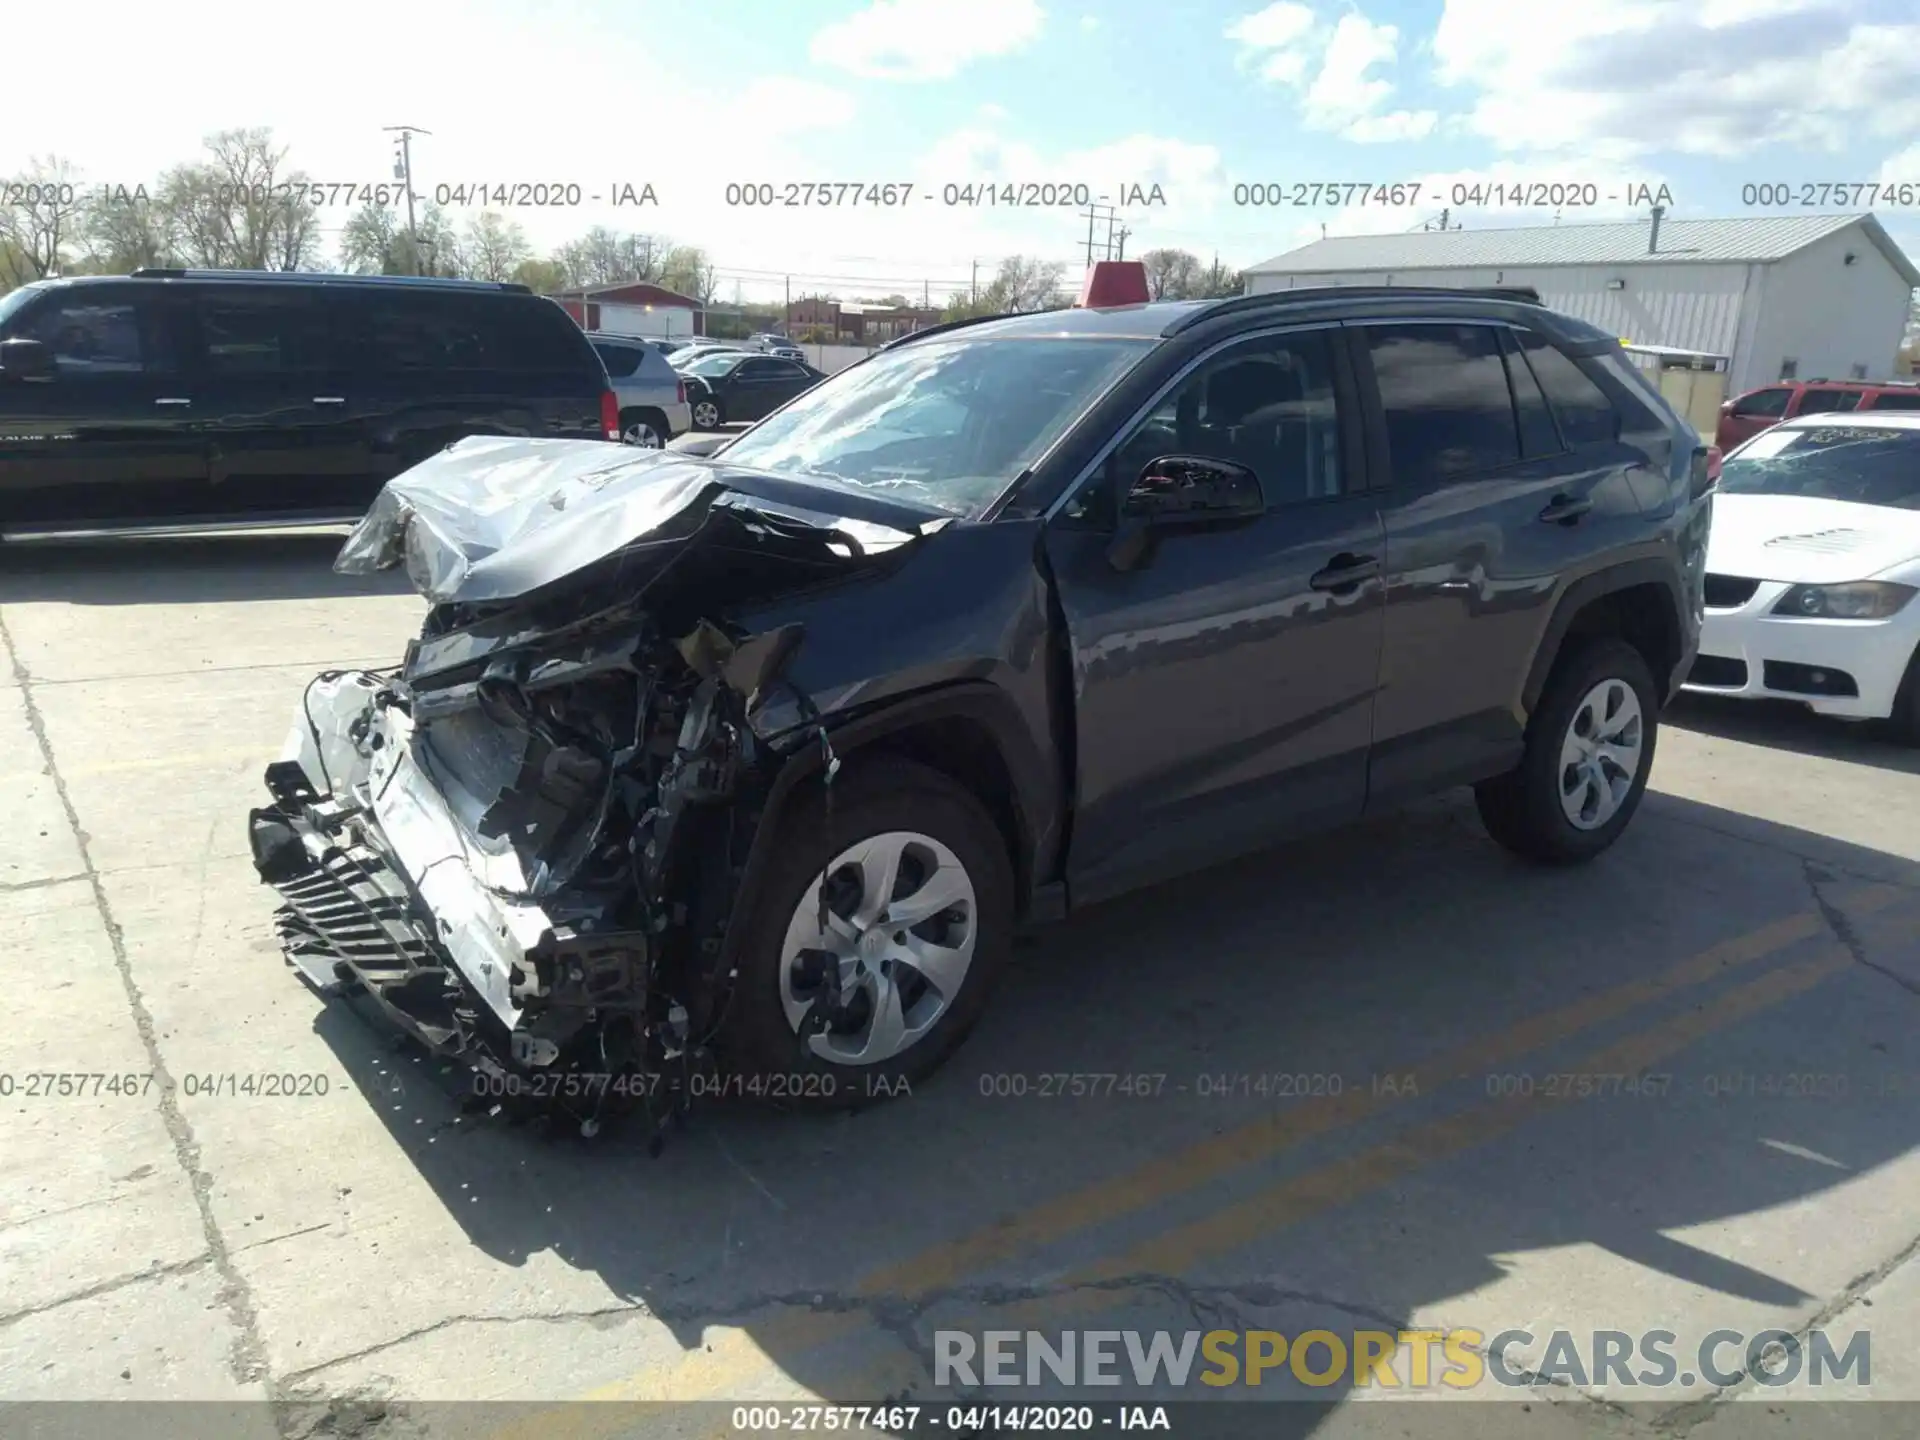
1449, 411
1771, 401
1867, 465
95, 334
15, 301
1266, 404
949, 422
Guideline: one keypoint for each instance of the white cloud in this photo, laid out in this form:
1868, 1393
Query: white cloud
926, 39
1286, 42
1089, 22
1603, 82
782, 103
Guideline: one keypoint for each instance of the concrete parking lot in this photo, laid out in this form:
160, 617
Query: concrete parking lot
1755, 939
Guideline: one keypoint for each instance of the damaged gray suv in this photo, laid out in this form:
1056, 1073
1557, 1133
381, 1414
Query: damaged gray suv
749, 766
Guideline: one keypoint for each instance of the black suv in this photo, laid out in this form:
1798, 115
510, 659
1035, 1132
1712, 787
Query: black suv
174, 397
758, 759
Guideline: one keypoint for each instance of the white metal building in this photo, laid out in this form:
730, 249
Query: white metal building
1780, 296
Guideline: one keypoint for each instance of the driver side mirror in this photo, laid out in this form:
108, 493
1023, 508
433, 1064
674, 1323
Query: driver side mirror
24, 359
1182, 492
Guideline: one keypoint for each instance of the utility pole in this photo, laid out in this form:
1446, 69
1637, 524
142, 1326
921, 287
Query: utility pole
403, 172
1121, 253
786, 327
973, 289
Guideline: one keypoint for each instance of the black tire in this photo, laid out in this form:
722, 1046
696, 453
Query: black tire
759, 1052
652, 420
1904, 724
1522, 809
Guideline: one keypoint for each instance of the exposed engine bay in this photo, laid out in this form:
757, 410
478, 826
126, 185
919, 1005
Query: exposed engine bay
524, 842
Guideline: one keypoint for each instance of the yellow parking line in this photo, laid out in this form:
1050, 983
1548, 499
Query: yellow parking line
1107, 1200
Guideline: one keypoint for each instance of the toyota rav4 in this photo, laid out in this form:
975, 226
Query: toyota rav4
752, 763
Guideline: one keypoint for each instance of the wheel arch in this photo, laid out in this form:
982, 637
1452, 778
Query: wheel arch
1640, 601
970, 732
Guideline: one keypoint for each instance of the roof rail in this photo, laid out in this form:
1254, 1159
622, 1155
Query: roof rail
940, 329
1306, 294
153, 272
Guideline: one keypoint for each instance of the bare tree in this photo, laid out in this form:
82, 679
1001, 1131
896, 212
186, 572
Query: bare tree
687, 270
43, 215
1024, 284
605, 257
241, 208
493, 247
1172, 274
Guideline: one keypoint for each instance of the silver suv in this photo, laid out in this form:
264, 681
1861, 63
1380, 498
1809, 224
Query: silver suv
651, 396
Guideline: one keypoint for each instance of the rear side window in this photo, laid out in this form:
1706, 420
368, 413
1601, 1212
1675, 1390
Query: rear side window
1449, 411
263, 333
1585, 414
1823, 402
532, 333
1897, 400
620, 360
1537, 434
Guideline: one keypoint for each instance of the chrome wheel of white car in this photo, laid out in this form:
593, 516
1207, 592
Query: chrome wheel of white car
706, 415
901, 920
1600, 754
643, 434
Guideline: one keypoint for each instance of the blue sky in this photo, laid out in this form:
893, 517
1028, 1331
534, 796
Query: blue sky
1703, 96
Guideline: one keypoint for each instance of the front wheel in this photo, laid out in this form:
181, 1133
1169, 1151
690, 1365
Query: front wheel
1589, 749
877, 939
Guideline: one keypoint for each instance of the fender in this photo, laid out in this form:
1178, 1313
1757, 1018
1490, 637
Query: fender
1037, 805
1583, 592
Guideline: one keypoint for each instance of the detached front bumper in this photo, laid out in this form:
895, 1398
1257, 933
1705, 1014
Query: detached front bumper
1846, 668
382, 889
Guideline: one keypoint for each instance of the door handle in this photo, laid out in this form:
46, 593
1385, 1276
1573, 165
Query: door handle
329, 399
1565, 509
173, 400
1344, 572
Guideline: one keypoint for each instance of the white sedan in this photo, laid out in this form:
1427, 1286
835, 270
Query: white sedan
1813, 568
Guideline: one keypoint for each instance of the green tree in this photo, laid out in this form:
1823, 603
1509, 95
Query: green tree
687, 270
543, 277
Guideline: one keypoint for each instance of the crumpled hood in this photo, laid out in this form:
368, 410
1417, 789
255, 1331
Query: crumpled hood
492, 518
1802, 540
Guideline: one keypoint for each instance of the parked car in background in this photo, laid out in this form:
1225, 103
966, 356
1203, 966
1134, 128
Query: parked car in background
769, 343
688, 354
189, 397
653, 398
1813, 569
1745, 416
757, 761
725, 387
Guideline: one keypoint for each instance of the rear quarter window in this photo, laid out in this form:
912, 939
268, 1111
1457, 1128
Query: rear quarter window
1896, 400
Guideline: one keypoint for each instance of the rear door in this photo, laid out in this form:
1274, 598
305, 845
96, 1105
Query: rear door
275, 402
761, 386
1494, 498
1826, 400
1894, 400
110, 438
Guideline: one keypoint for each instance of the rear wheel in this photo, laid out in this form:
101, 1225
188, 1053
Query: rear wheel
707, 414
643, 429
918, 911
1589, 749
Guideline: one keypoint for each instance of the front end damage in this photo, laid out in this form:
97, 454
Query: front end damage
524, 842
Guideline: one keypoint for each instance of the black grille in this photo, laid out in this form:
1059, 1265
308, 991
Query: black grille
1808, 679
1729, 592
1718, 670
342, 910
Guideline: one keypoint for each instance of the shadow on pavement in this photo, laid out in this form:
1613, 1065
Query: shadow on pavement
196, 569
1784, 725
1356, 955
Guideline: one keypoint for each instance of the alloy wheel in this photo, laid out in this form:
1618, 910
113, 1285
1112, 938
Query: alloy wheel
706, 415
642, 435
1601, 754
901, 917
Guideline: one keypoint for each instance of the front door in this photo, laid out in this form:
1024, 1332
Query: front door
1224, 685
1747, 416
110, 438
